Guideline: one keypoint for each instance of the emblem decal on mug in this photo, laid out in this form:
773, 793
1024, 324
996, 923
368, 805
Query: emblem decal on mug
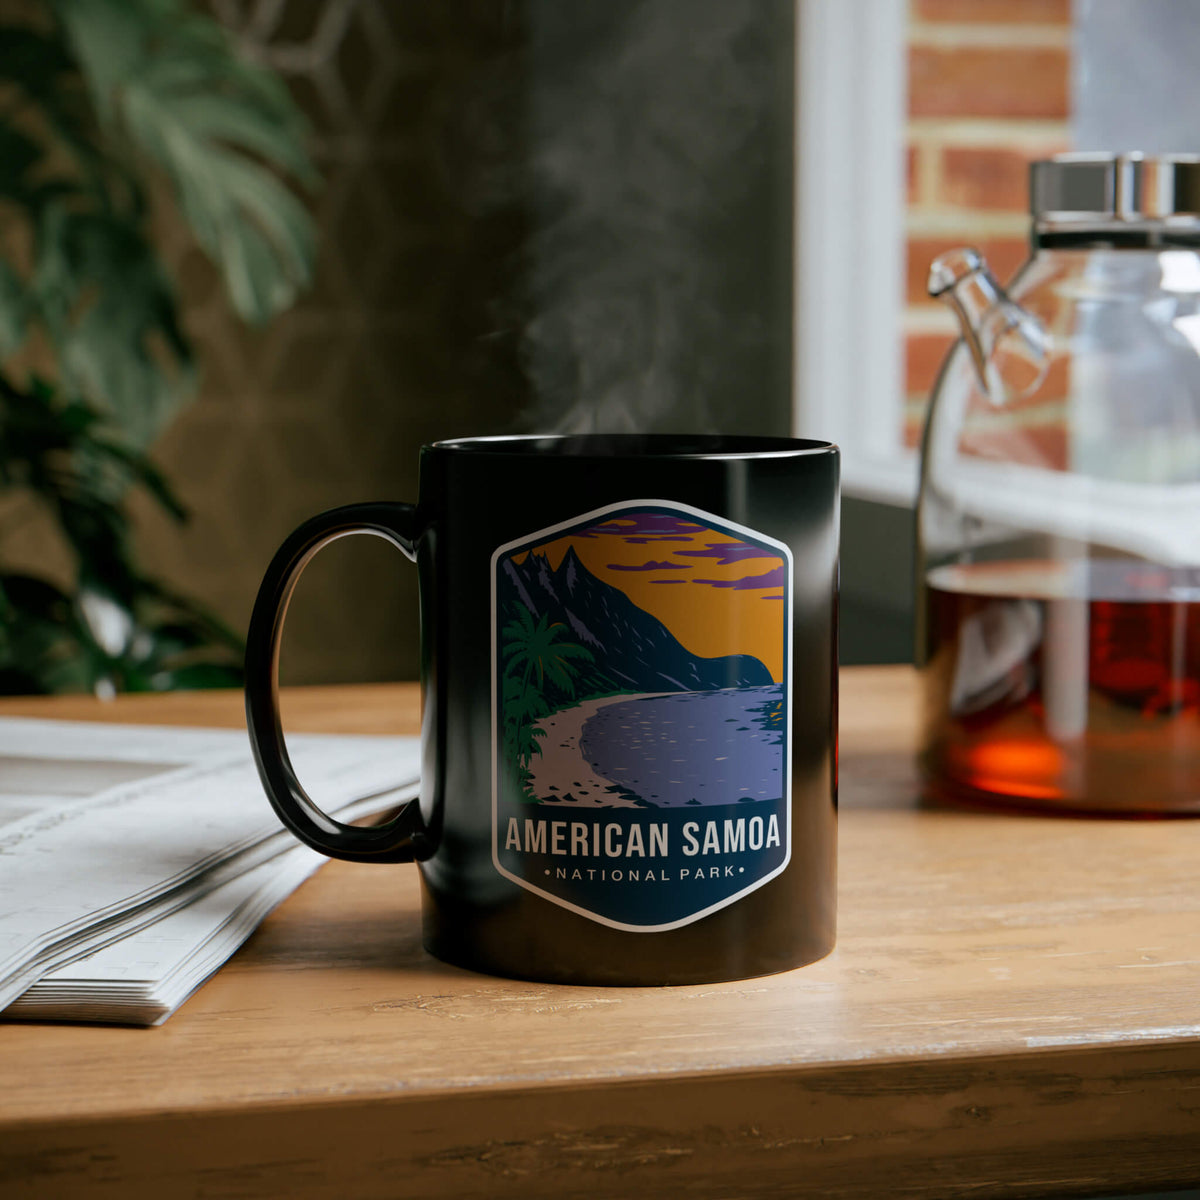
641, 682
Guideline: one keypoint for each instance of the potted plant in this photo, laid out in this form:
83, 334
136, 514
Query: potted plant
108, 109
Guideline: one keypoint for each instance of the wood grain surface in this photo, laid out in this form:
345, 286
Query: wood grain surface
1013, 1009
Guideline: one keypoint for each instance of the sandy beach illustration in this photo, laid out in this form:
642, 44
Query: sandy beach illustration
561, 774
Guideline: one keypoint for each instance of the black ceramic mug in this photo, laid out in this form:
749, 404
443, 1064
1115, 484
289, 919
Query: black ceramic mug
629, 684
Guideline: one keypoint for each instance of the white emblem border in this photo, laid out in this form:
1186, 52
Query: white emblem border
714, 521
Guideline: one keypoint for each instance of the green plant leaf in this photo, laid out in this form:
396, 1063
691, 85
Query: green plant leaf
14, 310
183, 612
197, 675
63, 454
18, 154
33, 61
175, 90
90, 104
111, 312
221, 118
42, 648
47, 87
141, 470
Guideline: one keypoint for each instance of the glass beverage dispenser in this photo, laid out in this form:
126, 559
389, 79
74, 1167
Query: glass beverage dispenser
1059, 511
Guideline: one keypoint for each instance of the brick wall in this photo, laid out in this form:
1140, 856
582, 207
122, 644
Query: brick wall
988, 92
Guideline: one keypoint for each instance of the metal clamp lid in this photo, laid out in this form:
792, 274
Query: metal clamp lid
1106, 188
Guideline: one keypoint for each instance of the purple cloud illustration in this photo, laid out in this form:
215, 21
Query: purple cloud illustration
641, 528
728, 552
668, 581
773, 578
652, 565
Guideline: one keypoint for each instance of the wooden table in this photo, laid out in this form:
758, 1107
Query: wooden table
1013, 1009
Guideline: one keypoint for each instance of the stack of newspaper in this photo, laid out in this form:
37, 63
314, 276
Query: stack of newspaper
134, 860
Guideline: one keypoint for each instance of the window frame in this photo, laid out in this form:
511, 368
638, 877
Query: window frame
851, 117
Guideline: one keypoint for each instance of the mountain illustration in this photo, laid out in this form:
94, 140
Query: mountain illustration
632, 650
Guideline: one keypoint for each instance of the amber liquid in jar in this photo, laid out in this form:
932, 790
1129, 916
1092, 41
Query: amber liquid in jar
1064, 685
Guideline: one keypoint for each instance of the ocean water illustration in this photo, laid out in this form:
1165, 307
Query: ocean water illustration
641, 690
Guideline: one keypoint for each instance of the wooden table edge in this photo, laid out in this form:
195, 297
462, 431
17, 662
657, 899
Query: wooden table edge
930, 1127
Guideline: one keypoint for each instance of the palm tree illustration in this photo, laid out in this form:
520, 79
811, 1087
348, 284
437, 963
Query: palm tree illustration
524, 706
536, 659
537, 649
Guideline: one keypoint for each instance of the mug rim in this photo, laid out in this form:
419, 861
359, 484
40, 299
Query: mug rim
640, 445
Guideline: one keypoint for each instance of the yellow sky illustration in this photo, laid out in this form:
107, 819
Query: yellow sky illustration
709, 619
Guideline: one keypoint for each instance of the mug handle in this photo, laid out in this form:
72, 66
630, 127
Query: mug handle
402, 838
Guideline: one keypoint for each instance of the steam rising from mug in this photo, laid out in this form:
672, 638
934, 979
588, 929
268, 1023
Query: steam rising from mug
657, 270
